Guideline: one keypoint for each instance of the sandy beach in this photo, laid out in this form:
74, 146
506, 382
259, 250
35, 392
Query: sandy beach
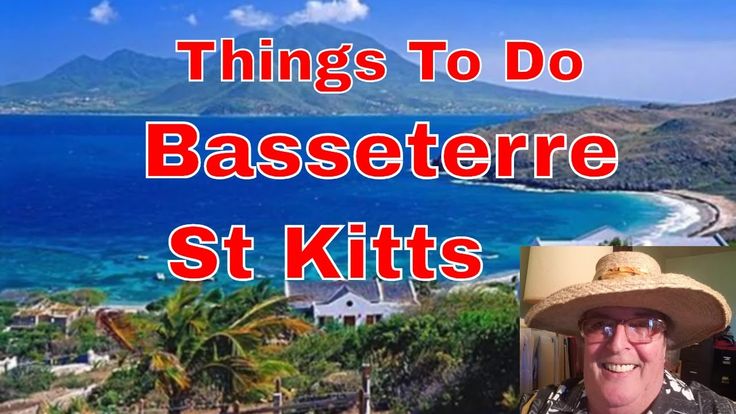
715, 214
718, 213
126, 308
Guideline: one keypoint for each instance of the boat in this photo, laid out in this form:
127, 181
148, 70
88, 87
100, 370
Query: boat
142, 257
160, 276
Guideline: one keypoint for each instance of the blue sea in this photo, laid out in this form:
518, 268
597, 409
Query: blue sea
76, 209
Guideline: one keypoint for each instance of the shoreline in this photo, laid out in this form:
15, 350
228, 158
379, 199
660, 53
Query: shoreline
720, 212
715, 213
128, 307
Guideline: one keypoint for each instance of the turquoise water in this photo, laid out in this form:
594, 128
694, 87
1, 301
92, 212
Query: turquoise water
76, 208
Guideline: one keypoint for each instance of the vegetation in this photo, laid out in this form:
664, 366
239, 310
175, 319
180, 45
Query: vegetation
425, 288
659, 147
32, 344
76, 406
24, 380
7, 309
72, 381
198, 341
457, 353
616, 242
48, 340
124, 387
85, 297
127, 81
86, 336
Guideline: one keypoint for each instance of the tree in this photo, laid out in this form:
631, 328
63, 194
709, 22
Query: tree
32, 343
85, 297
86, 336
124, 387
425, 288
7, 309
196, 345
457, 352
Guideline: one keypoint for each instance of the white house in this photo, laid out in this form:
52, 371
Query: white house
7, 363
606, 234
351, 303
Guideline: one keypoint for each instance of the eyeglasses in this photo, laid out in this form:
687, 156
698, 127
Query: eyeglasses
638, 330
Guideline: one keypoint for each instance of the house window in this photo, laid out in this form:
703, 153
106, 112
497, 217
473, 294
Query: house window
372, 319
348, 320
349, 304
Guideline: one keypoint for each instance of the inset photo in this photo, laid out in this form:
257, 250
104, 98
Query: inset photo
627, 329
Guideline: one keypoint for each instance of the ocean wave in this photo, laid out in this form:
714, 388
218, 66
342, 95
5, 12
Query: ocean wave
682, 216
515, 187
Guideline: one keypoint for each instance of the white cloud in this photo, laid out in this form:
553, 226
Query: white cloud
248, 16
102, 13
192, 19
341, 11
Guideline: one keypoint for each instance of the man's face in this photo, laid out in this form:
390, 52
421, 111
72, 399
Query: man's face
621, 376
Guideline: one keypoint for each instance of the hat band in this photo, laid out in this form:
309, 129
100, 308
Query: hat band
620, 272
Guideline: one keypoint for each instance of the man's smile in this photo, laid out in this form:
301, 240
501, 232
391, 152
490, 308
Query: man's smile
618, 368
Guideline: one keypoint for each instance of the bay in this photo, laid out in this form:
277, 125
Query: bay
77, 210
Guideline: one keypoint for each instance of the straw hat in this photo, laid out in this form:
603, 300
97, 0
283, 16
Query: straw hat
632, 279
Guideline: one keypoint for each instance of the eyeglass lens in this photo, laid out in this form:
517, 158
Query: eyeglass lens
638, 330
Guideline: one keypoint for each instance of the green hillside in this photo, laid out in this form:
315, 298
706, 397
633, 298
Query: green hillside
86, 84
660, 147
127, 81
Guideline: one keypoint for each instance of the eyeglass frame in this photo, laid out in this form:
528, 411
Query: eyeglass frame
662, 321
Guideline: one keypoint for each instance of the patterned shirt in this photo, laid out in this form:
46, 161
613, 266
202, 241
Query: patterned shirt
674, 397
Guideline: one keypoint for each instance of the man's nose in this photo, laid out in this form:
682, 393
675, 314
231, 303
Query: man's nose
619, 340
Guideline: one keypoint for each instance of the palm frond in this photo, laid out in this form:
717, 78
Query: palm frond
185, 295
271, 325
118, 326
273, 368
214, 296
262, 307
209, 349
169, 370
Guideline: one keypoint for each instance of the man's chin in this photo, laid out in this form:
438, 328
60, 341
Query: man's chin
615, 397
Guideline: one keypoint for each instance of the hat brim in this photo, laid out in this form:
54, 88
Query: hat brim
696, 311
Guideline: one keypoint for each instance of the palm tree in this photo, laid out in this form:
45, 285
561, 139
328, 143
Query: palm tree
76, 405
189, 348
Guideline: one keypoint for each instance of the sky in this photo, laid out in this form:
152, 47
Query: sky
666, 51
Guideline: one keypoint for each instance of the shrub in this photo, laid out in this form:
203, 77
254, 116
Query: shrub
317, 356
7, 309
30, 343
125, 386
73, 381
86, 336
25, 380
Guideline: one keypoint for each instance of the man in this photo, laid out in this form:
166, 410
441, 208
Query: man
628, 317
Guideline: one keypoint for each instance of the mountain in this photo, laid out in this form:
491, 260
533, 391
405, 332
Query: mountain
399, 92
122, 79
127, 81
660, 147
